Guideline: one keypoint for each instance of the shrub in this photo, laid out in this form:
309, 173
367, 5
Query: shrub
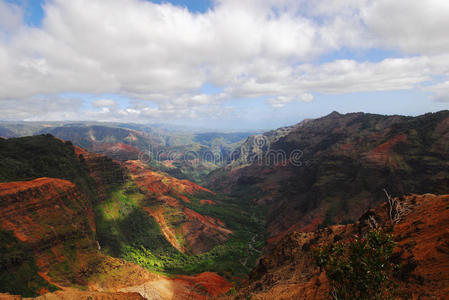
359, 268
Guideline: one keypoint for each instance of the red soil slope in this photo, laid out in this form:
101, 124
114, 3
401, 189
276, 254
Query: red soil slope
51, 213
102, 170
213, 283
159, 183
383, 154
211, 202
423, 250
198, 233
46, 213
81, 295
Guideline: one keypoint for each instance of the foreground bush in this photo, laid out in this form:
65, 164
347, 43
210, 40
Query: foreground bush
359, 268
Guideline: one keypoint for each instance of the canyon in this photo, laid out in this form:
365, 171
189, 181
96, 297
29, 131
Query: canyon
100, 223
422, 252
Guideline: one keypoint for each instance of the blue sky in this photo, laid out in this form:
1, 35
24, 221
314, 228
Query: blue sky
221, 64
34, 13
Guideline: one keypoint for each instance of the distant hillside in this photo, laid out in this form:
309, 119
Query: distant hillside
330, 170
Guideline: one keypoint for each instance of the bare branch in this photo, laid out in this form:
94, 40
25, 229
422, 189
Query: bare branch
396, 209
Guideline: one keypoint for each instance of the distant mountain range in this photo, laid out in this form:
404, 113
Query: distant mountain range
190, 155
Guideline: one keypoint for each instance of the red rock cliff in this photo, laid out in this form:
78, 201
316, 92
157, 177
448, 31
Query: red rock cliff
47, 213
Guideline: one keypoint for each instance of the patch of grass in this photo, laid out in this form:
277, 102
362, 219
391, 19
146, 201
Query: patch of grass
122, 223
127, 231
224, 259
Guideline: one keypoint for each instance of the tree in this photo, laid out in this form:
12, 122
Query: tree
359, 268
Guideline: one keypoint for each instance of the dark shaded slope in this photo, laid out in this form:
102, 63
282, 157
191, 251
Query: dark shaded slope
343, 163
28, 158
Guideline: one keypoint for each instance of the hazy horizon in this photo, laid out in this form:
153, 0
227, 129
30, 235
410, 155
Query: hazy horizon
191, 129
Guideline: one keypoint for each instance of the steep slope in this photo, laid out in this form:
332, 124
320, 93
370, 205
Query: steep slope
28, 158
169, 225
38, 211
422, 251
49, 221
184, 228
104, 172
51, 237
330, 170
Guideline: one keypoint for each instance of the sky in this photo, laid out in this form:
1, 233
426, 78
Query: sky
221, 64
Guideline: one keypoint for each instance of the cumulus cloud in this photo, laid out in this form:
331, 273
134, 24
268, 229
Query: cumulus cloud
413, 26
104, 103
11, 17
307, 97
42, 108
266, 48
440, 91
281, 101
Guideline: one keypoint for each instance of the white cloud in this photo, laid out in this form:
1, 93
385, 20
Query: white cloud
11, 17
307, 97
440, 91
413, 26
41, 109
281, 101
104, 103
264, 48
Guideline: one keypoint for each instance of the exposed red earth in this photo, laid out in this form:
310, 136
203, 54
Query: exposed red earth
211, 202
37, 212
422, 237
214, 284
199, 233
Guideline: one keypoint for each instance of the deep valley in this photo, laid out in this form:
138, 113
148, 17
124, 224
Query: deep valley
120, 211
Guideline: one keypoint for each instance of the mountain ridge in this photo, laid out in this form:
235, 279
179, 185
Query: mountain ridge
344, 163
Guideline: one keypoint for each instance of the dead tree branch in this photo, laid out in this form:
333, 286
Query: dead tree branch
397, 210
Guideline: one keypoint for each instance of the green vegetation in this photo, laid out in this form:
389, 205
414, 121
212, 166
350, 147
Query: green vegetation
228, 259
81, 135
28, 158
223, 259
122, 223
38, 156
126, 230
18, 271
360, 268
195, 171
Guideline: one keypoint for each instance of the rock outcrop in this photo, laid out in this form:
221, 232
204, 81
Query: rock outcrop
422, 252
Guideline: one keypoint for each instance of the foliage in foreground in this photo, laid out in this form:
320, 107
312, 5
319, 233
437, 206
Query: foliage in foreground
359, 268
